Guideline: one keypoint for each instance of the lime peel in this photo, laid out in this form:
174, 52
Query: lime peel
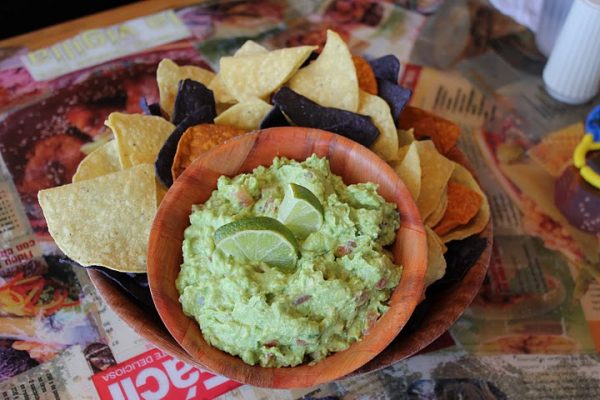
301, 211
259, 239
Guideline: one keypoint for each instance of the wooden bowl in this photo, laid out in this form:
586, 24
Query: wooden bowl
447, 307
354, 163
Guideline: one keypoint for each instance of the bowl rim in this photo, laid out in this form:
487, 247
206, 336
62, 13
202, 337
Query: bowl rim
411, 232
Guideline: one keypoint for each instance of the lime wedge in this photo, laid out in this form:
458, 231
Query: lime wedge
300, 211
259, 239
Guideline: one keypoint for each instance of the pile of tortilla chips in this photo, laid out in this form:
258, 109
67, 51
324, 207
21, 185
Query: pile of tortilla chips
104, 217
451, 203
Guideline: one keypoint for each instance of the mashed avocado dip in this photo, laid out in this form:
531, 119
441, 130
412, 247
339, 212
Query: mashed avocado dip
280, 317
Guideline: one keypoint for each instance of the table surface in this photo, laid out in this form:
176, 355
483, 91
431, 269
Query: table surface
52, 34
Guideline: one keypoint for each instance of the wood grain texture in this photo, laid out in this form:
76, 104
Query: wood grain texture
354, 163
449, 306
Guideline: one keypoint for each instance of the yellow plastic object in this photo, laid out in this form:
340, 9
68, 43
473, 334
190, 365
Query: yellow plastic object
586, 145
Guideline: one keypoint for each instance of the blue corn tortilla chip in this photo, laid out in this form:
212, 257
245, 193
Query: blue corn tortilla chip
164, 160
150, 109
305, 112
460, 257
274, 118
386, 67
192, 97
133, 285
394, 95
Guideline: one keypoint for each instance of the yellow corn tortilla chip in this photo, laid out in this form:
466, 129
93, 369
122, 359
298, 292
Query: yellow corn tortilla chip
106, 220
222, 95
438, 213
435, 174
461, 175
100, 140
102, 161
409, 168
250, 47
331, 79
259, 75
138, 137
405, 137
168, 75
386, 144
246, 115
436, 263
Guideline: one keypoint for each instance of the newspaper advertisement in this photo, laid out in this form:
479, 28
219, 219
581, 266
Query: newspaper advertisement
533, 330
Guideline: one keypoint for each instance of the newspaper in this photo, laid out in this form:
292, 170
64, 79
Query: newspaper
531, 332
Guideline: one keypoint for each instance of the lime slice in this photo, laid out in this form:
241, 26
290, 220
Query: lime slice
259, 239
300, 211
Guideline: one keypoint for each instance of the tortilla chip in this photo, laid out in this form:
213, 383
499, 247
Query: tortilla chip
405, 137
436, 263
365, 75
409, 168
331, 79
463, 204
386, 67
555, 151
246, 115
444, 133
438, 213
396, 96
462, 176
139, 137
435, 174
274, 118
220, 91
100, 140
302, 111
193, 100
168, 75
250, 47
386, 144
102, 161
104, 221
259, 75
199, 139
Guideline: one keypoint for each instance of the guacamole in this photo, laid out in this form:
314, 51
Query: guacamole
276, 317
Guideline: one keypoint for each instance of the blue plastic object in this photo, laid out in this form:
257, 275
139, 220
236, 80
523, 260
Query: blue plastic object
592, 123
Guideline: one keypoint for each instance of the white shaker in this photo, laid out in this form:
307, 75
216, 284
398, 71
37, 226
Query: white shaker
572, 74
552, 17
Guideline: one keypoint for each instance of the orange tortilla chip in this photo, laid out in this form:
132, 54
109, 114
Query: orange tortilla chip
365, 75
199, 139
442, 132
463, 205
